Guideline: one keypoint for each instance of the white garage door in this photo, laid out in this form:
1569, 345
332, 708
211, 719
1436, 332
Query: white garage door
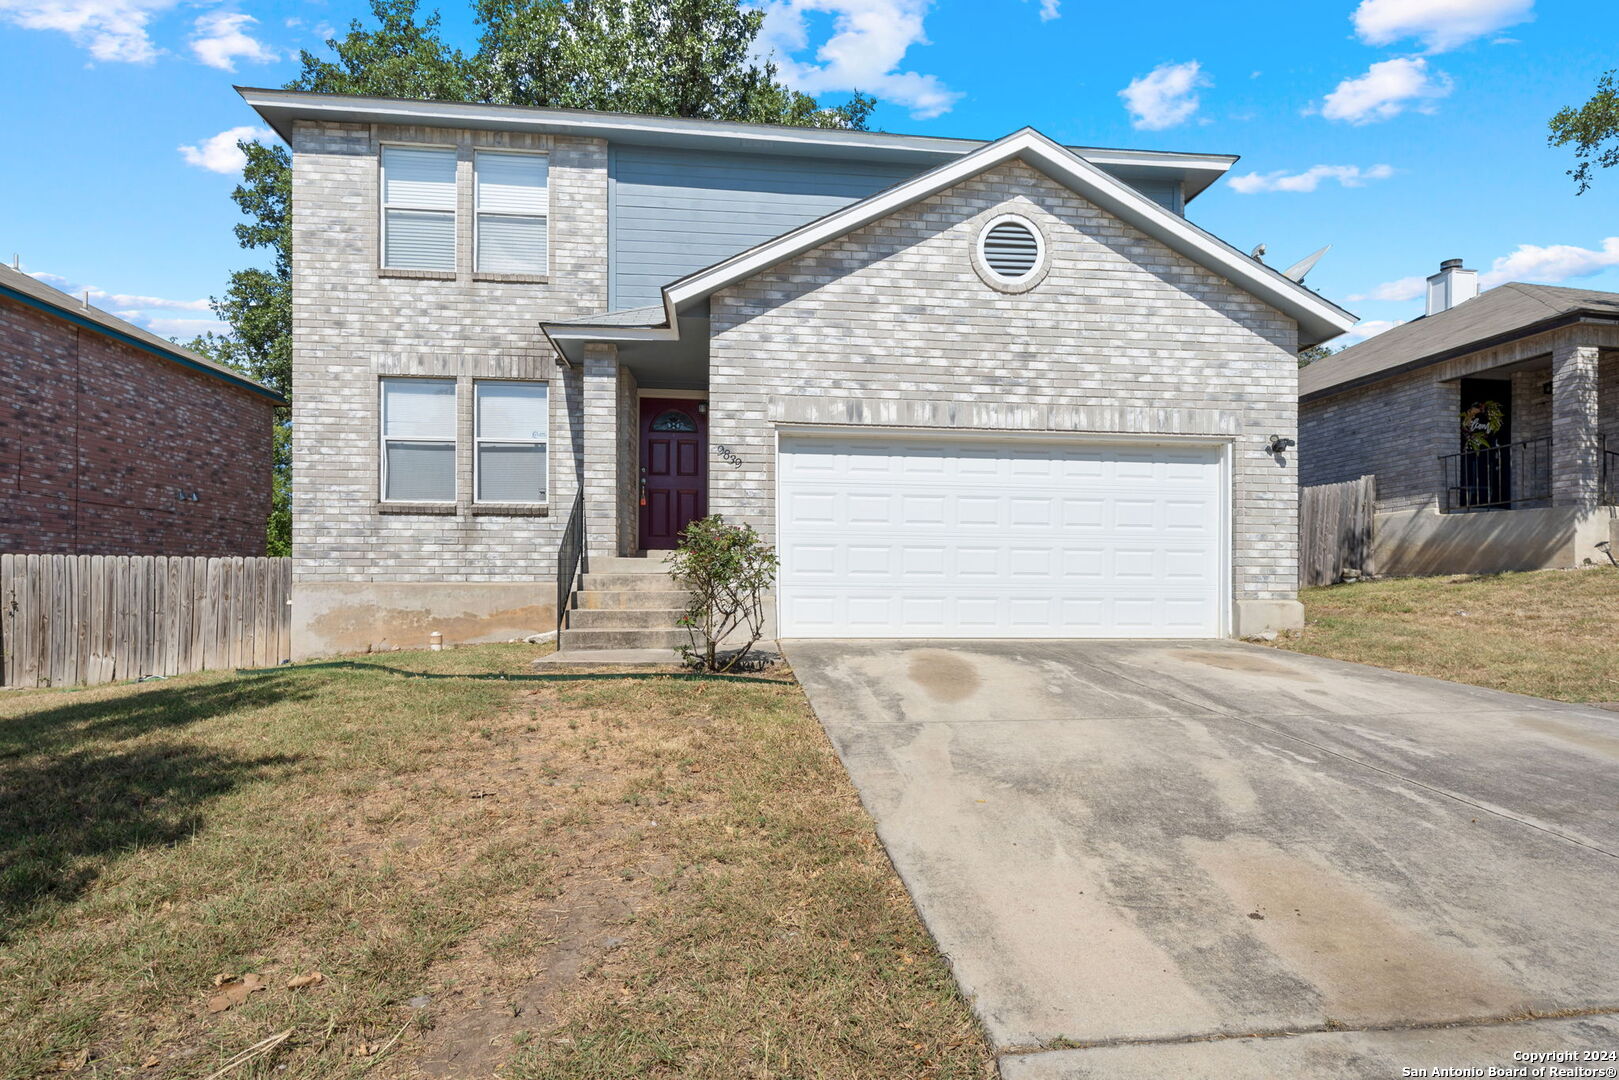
899, 537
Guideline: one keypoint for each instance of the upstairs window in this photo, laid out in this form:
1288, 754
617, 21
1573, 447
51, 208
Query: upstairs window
510, 436
418, 440
512, 203
418, 208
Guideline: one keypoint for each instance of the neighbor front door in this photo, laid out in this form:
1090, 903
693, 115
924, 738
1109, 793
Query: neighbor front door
1486, 474
674, 468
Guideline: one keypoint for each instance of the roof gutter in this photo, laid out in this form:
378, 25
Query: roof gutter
1556, 322
146, 347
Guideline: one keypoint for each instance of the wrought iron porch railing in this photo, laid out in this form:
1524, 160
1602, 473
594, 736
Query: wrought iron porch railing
1498, 476
569, 555
1610, 475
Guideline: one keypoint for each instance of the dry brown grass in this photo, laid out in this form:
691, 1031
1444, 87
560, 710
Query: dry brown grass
586, 878
1551, 633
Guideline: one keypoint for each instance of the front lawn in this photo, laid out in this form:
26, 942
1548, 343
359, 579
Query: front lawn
1550, 633
595, 876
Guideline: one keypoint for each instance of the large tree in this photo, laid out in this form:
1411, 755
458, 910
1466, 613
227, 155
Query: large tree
665, 57
1593, 128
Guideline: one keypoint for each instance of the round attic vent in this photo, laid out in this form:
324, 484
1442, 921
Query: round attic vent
1011, 249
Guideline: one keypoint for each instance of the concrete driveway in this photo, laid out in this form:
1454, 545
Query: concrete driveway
1127, 848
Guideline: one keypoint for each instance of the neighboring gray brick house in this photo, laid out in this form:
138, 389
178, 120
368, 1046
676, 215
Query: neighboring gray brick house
968, 389
1540, 365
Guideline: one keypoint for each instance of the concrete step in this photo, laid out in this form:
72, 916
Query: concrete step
629, 564
621, 639
638, 599
624, 618
617, 581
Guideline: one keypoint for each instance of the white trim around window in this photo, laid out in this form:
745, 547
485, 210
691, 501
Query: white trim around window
416, 440
511, 196
510, 442
416, 210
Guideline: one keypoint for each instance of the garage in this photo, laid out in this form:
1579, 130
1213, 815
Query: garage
886, 536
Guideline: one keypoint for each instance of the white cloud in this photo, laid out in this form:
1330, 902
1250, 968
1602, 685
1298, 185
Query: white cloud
1548, 265
1406, 288
1438, 24
1310, 179
112, 301
184, 329
1050, 9
1551, 264
221, 36
113, 30
1364, 329
1165, 96
218, 153
1388, 88
869, 39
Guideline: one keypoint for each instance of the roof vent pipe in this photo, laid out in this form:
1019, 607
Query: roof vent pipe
1451, 286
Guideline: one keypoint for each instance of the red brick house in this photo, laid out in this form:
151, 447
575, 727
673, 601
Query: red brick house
114, 441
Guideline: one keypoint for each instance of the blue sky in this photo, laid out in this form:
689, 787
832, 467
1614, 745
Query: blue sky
1402, 132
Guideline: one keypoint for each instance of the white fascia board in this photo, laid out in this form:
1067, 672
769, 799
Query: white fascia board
573, 332
567, 339
1315, 315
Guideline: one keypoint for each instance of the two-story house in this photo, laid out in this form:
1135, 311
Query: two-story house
969, 389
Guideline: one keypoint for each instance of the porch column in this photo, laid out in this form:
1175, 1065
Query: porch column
601, 443
1576, 440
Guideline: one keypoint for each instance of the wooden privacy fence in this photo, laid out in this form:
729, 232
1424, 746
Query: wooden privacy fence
1336, 523
67, 620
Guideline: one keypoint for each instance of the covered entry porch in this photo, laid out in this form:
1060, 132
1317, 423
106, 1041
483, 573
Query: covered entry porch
1530, 476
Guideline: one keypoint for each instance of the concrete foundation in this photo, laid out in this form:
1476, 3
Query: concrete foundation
1254, 617
348, 617
1412, 543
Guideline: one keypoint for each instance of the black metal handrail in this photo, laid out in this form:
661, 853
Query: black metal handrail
569, 556
1498, 476
1610, 475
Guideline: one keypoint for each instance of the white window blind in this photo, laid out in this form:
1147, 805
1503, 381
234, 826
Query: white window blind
512, 194
418, 208
418, 440
510, 432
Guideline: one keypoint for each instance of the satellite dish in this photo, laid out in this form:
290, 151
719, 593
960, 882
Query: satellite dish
1258, 254
1305, 265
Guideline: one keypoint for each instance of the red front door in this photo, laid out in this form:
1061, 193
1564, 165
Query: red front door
674, 469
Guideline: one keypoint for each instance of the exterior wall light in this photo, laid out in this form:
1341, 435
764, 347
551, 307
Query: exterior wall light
1278, 444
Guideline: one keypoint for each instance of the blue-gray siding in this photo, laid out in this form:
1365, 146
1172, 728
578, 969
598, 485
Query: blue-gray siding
672, 212
676, 211
1166, 193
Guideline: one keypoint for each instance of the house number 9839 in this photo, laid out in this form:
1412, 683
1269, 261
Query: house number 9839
727, 455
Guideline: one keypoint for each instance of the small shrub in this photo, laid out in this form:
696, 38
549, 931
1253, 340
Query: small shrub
728, 569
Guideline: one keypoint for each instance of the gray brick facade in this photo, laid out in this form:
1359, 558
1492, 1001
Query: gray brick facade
1124, 336
1399, 427
890, 323
361, 570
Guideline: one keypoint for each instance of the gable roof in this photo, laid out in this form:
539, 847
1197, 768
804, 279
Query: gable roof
280, 108
36, 294
1318, 318
1500, 315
